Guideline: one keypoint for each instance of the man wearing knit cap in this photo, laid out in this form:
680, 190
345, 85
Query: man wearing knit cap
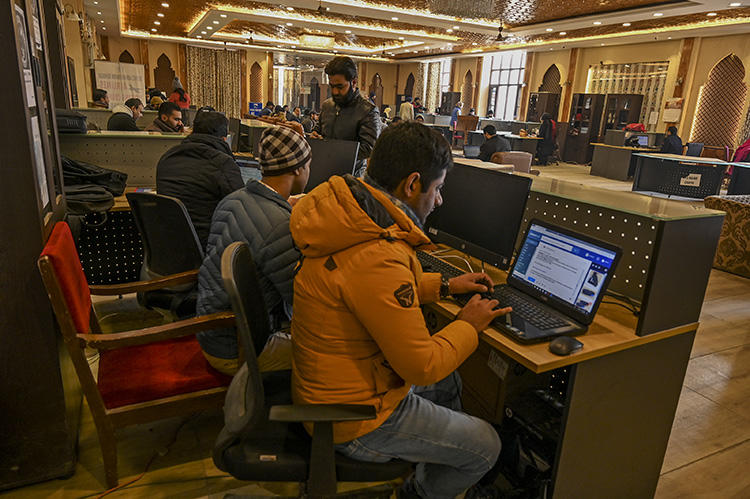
258, 215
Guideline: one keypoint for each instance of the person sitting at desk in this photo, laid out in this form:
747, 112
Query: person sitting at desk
124, 116
268, 110
258, 215
100, 98
492, 143
200, 171
154, 103
169, 119
672, 142
347, 115
310, 121
179, 96
358, 333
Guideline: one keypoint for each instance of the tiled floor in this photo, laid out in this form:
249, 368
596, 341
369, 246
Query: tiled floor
707, 457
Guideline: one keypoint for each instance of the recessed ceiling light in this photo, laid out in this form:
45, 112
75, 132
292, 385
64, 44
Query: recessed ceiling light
626, 24
456, 27
223, 15
289, 24
669, 38
711, 14
335, 51
209, 27
549, 30
165, 4
294, 46
104, 27
216, 22
658, 14
97, 3
394, 18
597, 23
473, 43
203, 32
601, 44
99, 13
159, 15
153, 29
199, 36
735, 4
563, 33
348, 32
551, 48
290, 8
449, 30
400, 37
328, 8
157, 23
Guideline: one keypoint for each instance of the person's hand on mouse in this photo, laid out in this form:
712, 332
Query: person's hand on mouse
474, 282
480, 312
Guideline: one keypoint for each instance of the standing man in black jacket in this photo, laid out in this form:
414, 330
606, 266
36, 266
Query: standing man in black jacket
672, 142
347, 115
200, 171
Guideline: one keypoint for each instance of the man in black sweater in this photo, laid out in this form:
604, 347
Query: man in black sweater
493, 143
124, 116
672, 142
200, 171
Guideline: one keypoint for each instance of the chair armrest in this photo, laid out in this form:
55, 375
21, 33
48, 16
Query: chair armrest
140, 286
147, 335
320, 413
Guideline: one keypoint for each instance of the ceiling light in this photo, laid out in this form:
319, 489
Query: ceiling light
99, 13
335, 51
456, 27
290, 8
165, 4
563, 33
216, 22
400, 37
104, 27
159, 15
626, 24
394, 18
597, 23
735, 4
198, 36
449, 30
601, 44
157, 23
289, 24
549, 30
97, 3
153, 29
669, 38
294, 46
658, 14
473, 43
209, 27
328, 8
348, 32
711, 14
203, 32
223, 15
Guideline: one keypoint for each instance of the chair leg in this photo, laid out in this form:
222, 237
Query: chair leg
108, 444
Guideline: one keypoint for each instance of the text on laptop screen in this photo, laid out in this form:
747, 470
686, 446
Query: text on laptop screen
564, 267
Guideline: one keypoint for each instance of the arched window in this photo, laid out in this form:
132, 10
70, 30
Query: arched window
467, 90
126, 57
551, 80
256, 83
721, 100
163, 74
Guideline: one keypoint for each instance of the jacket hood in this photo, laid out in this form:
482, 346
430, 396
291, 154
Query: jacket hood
121, 108
208, 140
344, 212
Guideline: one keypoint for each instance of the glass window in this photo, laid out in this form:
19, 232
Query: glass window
506, 79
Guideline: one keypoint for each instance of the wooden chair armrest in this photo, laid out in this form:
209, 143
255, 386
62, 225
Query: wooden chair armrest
111, 341
140, 286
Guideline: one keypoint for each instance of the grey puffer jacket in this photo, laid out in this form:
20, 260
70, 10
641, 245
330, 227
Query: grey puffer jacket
258, 216
359, 121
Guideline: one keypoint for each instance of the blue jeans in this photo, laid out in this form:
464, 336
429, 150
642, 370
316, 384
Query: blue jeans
453, 450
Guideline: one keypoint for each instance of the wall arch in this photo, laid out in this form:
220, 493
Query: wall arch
256, 83
467, 90
127, 57
409, 87
551, 80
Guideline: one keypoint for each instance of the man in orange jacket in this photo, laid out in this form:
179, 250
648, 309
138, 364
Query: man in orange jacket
358, 334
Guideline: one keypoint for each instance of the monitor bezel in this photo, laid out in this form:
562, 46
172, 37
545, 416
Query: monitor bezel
558, 304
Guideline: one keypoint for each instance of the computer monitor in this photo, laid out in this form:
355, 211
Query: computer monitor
329, 158
481, 213
643, 140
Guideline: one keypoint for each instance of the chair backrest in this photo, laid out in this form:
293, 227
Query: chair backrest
520, 160
694, 149
170, 244
234, 130
465, 123
243, 286
65, 282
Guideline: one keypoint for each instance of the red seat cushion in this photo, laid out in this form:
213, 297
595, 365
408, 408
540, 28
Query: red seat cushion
148, 372
62, 252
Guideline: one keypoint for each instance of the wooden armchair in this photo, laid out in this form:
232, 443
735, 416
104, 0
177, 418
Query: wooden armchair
464, 125
145, 374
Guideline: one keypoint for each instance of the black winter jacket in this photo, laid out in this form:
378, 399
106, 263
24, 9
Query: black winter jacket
122, 122
490, 147
359, 121
258, 216
672, 145
199, 172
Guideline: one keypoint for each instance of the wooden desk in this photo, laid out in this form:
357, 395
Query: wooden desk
615, 162
675, 175
478, 163
619, 394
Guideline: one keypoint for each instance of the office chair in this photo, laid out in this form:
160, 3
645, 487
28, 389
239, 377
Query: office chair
520, 160
170, 246
694, 149
144, 374
262, 443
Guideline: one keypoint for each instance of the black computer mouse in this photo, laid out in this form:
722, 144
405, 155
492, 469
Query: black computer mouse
564, 345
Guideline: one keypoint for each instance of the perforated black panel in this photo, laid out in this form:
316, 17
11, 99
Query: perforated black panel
111, 252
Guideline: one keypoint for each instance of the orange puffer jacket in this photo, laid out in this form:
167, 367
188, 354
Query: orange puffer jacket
358, 333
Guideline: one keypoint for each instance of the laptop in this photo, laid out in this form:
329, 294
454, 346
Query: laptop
556, 283
471, 152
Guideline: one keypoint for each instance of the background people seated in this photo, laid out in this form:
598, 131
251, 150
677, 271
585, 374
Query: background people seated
168, 120
125, 115
492, 143
179, 96
100, 98
200, 171
259, 215
672, 142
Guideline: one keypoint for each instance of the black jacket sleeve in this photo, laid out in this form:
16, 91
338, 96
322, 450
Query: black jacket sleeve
230, 178
486, 151
367, 133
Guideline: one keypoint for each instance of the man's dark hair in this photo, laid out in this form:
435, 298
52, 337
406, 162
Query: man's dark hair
342, 65
406, 148
134, 102
269, 104
489, 130
168, 108
416, 99
672, 130
408, 98
99, 94
211, 123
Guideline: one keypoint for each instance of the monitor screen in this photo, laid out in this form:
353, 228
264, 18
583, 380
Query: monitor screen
563, 267
643, 140
329, 158
481, 213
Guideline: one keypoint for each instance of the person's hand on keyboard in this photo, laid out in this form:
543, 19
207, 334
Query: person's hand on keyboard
476, 282
480, 312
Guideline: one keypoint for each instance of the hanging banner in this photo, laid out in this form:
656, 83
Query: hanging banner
122, 81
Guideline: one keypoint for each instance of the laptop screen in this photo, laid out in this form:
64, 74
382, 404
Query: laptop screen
564, 267
643, 140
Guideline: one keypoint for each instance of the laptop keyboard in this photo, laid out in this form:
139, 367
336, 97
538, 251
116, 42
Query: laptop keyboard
537, 316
